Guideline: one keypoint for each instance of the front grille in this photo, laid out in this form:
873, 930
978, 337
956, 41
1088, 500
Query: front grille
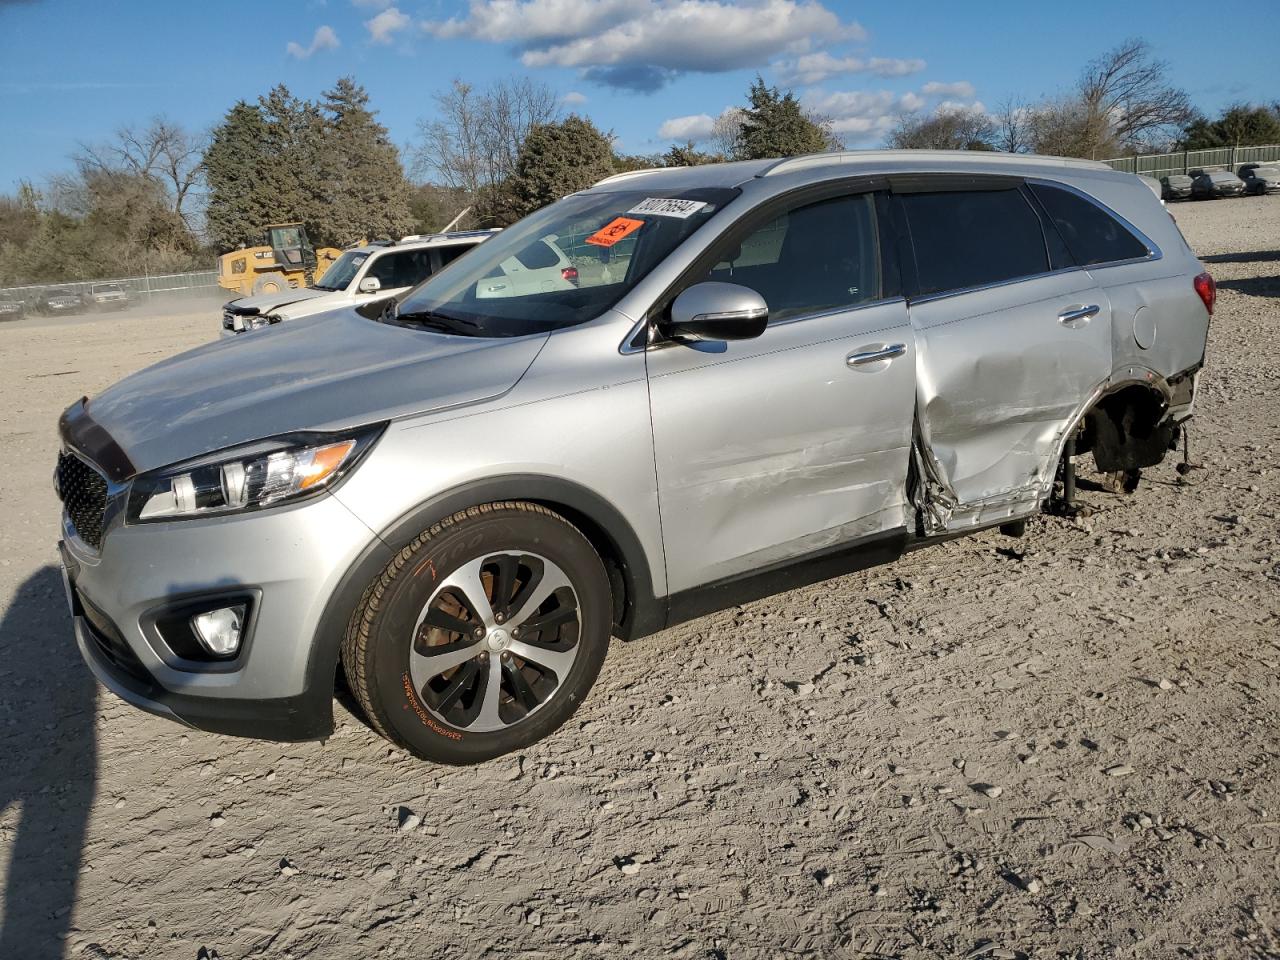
228, 320
84, 495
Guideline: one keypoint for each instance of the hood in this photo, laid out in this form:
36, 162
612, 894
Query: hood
265, 302
329, 372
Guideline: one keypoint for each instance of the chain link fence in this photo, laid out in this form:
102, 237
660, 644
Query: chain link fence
140, 291
1217, 158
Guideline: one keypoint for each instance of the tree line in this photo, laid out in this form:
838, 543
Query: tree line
1122, 104
159, 198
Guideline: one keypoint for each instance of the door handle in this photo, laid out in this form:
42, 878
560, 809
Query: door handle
871, 356
1076, 314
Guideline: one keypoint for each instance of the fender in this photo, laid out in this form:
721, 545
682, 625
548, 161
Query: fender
638, 614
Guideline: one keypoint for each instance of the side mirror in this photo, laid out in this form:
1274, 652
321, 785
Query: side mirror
717, 311
370, 285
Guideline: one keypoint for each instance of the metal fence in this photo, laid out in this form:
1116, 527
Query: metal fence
197, 285
1217, 158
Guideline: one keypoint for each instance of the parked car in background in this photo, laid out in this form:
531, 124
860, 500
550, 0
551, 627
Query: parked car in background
11, 309
107, 296
60, 303
376, 271
1176, 186
538, 268
1215, 184
1153, 185
1260, 178
459, 499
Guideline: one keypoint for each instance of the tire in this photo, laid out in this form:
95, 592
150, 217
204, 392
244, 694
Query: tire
435, 669
270, 283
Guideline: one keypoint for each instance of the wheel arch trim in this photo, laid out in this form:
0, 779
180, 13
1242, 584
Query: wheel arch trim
642, 614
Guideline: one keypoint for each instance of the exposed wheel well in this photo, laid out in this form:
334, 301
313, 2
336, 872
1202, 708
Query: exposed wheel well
1127, 429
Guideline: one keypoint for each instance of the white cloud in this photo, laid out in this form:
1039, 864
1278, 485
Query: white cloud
573, 98
323, 39
385, 25
642, 44
961, 89
813, 68
696, 127
862, 117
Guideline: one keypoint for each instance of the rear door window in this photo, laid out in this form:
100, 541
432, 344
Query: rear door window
1092, 234
971, 238
404, 269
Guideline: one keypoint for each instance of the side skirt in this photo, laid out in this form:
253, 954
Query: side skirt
787, 575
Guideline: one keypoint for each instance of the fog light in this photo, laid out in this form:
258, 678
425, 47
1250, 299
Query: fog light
219, 630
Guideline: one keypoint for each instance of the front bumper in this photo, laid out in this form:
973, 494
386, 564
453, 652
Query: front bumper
292, 559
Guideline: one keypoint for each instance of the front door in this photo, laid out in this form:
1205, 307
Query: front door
796, 442
1011, 341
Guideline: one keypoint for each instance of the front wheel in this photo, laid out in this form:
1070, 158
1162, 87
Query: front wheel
483, 635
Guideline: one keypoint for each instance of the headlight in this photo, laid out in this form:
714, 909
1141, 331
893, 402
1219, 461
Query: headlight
257, 475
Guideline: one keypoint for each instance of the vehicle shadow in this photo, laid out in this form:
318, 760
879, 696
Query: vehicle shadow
1251, 256
48, 766
1253, 286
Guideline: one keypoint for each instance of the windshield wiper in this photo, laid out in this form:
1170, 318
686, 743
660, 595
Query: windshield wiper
430, 320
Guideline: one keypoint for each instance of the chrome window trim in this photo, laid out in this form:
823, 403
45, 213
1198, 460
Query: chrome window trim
1153, 249
945, 294
626, 347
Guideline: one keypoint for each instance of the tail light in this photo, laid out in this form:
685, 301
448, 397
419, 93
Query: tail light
1208, 290
570, 274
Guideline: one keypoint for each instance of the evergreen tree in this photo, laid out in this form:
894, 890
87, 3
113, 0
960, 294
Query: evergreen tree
775, 125
331, 167
558, 159
239, 205
1239, 125
291, 164
366, 191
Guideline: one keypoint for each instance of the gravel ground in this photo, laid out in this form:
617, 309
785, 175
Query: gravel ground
1060, 746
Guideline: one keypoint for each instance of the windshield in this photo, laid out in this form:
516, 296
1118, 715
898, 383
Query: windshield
1266, 173
1221, 176
342, 272
105, 288
564, 265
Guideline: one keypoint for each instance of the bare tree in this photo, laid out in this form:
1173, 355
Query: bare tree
726, 130
473, 144
1127, 99
162, 151
1012, 119
949, 129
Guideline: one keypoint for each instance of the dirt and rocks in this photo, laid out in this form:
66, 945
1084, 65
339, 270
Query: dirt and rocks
1059, 746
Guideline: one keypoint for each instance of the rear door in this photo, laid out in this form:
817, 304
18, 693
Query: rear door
796, 443
1012, 339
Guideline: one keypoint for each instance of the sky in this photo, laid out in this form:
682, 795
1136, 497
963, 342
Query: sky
652, 72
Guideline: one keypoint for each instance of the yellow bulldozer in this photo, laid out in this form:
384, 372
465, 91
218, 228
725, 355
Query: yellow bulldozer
286, 260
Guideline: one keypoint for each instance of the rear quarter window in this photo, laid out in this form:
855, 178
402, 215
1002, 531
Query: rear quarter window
1092, 234
973, 238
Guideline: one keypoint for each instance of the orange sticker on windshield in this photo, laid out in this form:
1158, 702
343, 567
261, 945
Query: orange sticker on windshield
614, 231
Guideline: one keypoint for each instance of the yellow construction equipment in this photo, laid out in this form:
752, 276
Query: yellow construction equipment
286, 260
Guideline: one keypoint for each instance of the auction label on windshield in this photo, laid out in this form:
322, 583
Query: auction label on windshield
661, 207
613, 231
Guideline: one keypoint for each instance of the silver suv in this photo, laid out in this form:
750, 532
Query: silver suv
763, 374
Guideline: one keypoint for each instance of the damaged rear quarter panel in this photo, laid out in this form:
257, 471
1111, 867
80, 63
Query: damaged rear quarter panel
999, 380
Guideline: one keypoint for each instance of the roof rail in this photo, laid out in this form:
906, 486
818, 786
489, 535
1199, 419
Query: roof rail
628, 174
984, 157
423, 237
